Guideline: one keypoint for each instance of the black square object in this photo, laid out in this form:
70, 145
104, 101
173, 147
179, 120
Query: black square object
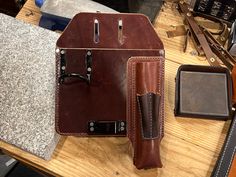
203, 91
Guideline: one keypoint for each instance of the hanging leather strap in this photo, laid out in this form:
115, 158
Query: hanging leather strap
197, 32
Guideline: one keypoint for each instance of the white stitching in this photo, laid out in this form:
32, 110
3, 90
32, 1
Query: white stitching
144, 59
150, 114
227, 144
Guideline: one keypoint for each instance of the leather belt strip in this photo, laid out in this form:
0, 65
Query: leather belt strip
197, 31
226, 162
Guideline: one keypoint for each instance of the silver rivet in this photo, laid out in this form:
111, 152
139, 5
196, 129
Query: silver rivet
62, 52
212, 60
88, 53
122, 128
189, 14
89, 69
91, 124
57, 50
190, 9
91, 129
63, 67
122, 124
161, 52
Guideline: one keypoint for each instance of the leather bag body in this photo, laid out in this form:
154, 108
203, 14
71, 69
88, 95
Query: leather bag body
91, 60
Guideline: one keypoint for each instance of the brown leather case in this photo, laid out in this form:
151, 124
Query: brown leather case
233, 74
91, 59
203, 92
226, 164
145, 109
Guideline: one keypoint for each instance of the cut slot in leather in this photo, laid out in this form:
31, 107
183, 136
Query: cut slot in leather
149, 111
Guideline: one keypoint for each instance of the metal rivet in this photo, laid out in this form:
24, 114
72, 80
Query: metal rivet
89, 69
91, 124
122, 124
91, 129
88, 53
189, 14
161, 52
63, 67
57, 50
122, 128
212, 60
62, 52
190, 9
222, 38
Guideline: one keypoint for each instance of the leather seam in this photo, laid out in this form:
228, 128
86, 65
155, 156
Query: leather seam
133, 62
150, 114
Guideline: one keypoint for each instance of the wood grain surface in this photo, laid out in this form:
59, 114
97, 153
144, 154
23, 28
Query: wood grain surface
189, 149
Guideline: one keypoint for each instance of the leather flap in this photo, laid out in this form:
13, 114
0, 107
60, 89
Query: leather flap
117, 31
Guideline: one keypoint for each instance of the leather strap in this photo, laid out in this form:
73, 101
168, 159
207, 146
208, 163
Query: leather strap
226, 161
199, 34
218, 49
178, 31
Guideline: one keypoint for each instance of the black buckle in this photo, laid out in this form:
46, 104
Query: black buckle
107, 127
88, 64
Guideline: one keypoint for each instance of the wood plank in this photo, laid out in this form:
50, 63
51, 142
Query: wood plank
190, 146
29, 13
109, 157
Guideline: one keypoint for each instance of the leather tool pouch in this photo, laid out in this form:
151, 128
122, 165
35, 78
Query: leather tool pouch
203, 91
91, 59
145, 109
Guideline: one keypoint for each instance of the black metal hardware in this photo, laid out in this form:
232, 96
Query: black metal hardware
107, 127
88, 64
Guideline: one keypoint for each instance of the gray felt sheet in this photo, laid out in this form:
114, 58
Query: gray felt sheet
27, 86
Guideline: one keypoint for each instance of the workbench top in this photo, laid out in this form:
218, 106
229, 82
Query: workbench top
189, 148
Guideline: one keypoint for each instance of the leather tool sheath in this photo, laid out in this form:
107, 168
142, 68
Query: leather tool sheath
145, 109
226, 164
91, 60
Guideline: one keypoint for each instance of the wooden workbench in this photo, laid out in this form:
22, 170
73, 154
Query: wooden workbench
190, 146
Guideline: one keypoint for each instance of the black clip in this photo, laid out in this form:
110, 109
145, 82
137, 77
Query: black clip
107, 127
88, 64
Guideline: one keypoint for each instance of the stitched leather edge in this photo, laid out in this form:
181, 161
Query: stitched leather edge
131, 70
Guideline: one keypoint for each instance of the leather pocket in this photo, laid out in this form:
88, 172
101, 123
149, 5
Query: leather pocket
145, 106
148, 105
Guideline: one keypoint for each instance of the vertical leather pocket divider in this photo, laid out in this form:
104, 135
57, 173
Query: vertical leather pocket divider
145, 109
